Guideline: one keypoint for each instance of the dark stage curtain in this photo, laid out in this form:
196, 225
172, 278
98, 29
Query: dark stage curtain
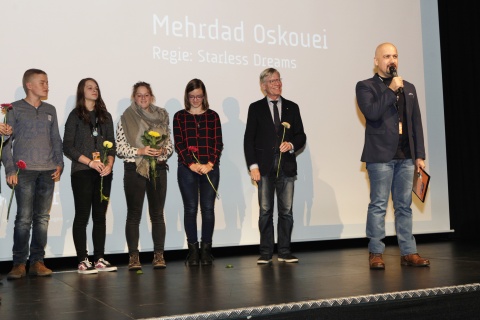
459, 38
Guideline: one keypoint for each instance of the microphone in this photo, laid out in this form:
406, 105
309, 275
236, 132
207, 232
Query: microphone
393, 72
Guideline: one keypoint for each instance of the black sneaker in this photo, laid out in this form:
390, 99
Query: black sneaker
287, 258
264, 259
86, 267
103, 265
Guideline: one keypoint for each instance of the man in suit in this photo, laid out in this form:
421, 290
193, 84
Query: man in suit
393, 151
274, 132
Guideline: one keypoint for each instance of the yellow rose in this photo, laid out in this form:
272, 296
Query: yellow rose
154, 134
286, 125
107, 144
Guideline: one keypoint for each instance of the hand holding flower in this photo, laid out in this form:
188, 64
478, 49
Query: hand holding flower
202, 168
206, 168
195, 167
285, 147
97, 166
149, 151
12, 180
107, 169
5, 129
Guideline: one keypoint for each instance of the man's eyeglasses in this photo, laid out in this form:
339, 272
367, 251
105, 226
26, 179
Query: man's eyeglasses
274, 81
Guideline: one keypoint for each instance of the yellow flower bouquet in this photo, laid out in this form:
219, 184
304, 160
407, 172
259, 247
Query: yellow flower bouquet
153, 139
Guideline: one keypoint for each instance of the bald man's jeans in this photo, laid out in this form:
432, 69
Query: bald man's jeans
395, 176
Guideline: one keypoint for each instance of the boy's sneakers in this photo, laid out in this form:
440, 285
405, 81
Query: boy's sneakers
86, 267
104, 265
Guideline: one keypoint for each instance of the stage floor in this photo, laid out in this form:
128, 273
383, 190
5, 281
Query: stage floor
179, 290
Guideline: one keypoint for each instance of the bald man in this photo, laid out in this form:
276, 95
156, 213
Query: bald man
393, 151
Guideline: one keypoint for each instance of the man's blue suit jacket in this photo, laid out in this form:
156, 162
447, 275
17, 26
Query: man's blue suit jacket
376, 102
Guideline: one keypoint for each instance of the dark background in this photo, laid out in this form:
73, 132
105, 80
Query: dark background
459, 40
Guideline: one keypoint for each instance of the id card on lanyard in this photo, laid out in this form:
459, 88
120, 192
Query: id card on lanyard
94, 131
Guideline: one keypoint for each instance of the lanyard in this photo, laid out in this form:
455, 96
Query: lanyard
94, 131
399, 112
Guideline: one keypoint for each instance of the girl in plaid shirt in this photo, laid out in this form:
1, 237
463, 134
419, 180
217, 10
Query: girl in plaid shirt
198, 141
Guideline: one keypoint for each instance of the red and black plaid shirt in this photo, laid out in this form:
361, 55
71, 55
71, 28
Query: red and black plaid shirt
201, 134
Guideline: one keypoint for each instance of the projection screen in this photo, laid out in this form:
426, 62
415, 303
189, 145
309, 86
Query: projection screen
321, 47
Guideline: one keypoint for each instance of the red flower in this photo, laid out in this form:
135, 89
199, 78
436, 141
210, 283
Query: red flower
7, 106
21, 164
192, 149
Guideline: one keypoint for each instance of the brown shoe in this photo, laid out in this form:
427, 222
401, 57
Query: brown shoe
414, 260
158, 260
18, 271
38, 269
134, 262
376, 261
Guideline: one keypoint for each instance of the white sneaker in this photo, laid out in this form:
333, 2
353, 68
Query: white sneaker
104, 265
85, 267
289, 258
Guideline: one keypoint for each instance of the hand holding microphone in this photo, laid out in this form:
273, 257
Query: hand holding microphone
393, 72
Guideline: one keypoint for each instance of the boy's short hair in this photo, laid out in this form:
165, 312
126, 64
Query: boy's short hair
28, 75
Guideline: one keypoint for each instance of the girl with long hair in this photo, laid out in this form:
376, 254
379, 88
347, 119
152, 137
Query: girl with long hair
88, 127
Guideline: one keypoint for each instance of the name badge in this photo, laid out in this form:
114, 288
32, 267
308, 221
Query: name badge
96, 156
